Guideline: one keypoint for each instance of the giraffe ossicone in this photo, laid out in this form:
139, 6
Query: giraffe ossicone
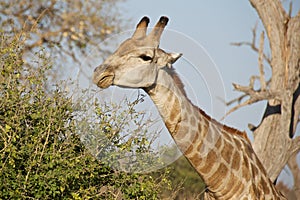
221, 155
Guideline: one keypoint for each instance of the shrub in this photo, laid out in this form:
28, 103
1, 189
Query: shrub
42, 156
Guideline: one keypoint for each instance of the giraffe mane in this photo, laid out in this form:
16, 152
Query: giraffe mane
228, 129
177, 81
180, 85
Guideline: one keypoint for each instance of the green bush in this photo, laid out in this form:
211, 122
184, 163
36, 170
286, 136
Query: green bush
42, 156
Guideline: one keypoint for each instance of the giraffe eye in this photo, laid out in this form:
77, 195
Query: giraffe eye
145, 57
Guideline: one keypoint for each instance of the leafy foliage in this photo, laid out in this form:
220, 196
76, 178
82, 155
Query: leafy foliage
41, 154
185, 182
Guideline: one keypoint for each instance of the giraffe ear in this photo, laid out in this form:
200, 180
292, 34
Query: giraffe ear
173, 57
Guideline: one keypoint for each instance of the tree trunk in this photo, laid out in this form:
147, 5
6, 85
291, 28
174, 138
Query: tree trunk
274, 139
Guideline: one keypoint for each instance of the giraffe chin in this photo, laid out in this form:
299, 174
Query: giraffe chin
105, 82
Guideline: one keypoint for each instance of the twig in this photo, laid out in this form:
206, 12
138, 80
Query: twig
238, 99
245, 103
46, 142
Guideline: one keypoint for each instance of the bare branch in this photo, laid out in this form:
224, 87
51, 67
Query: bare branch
295, 145
273, 17
238, 100
260, 62
262, 95
254, 96
245, 103
290, 9
252, 45
241, 97
80, 24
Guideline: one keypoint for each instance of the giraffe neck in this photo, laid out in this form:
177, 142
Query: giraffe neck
181, 117
222, 156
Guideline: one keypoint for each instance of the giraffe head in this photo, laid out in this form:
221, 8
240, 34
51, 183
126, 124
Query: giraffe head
137, 61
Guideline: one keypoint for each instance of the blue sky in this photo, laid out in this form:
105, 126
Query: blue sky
211, 26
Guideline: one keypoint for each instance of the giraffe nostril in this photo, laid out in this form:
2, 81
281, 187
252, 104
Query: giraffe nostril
96, 69
100, 68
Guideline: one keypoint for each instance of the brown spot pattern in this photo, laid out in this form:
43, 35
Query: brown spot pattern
210, 161
195, 159
264, 186
219, 175
245, 173
227, 152
235, 163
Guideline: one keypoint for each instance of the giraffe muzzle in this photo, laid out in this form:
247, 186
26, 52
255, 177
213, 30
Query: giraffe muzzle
102, 77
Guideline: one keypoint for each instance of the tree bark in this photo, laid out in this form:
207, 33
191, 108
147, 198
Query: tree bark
274, 139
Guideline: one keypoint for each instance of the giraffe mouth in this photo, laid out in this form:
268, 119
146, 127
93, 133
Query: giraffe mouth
105, 80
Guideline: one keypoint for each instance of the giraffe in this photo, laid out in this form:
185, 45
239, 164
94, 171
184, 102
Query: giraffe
222, 156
